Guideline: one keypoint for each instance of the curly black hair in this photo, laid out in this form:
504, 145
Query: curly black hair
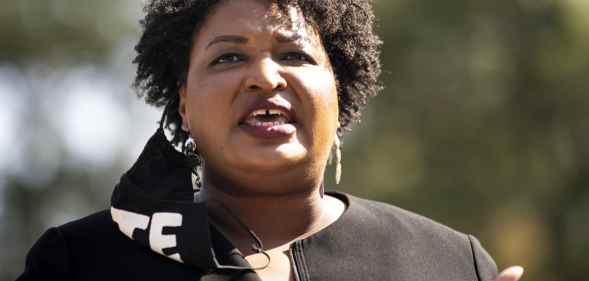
345, 28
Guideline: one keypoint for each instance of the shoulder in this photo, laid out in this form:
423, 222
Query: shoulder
62, 251
98, 226
94, 238
93, 248
85, 233
49, 256
400, 220
422, 238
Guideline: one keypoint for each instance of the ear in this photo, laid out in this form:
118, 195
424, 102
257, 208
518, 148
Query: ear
182, 108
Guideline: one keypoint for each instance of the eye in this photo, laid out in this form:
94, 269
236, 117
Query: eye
228, 58
297, 58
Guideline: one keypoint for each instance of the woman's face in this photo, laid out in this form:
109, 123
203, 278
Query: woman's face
260, 99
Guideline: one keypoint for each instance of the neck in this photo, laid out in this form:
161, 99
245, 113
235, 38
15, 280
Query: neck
277, 220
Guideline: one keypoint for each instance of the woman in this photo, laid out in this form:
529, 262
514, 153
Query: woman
257, 94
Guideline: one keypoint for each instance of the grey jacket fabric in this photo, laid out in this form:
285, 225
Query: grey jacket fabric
370, 241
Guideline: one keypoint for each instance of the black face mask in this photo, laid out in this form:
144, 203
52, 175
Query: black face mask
154, 205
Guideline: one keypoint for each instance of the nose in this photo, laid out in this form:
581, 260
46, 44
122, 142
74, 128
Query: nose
265, 74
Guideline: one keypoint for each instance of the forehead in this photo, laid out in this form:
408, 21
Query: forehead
257, 16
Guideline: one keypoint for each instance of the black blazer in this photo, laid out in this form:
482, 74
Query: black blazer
370, 241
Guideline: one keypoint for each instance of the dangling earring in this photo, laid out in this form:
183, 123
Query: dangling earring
335, 157
190, 148
337, 152
191, 153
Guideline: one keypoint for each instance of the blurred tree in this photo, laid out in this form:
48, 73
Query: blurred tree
64, 31
483, 124
42, 42
484, 119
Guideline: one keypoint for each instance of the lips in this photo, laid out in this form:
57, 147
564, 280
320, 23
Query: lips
269, 119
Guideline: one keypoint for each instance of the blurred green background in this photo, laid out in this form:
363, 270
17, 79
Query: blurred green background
483, 124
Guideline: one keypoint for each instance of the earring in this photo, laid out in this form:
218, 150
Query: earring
194, 159
190, 148
337, 159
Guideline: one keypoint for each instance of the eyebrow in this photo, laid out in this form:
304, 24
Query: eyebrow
236, 39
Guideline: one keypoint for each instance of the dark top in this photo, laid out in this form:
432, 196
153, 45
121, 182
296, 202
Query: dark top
370, 241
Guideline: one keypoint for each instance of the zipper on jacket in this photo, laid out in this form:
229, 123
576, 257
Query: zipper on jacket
298, 262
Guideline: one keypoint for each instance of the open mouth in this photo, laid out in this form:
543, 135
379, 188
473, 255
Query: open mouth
269, 120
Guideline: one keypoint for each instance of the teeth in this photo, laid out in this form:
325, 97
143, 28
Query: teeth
265, 124
267, 118
274, 112
259, 112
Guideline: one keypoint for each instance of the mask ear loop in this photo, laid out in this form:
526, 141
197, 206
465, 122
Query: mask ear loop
258, 247
163, 118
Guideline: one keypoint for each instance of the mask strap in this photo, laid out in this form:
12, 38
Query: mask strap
163, 118
257, 247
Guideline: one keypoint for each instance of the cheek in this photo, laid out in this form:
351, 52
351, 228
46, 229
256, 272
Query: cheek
211, 95
209, 108
317, 92
321, 96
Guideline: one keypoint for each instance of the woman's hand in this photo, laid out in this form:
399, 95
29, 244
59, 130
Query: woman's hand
513, 273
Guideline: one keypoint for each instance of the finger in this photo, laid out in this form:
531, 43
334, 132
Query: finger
513, 273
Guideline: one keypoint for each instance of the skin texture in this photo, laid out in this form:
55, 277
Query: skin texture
513, 273
163, 52
258, 55
263, 64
